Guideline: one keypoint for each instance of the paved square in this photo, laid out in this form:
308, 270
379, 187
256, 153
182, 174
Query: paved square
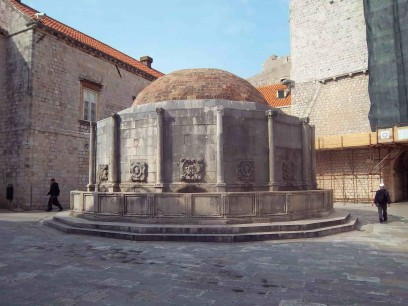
41, 266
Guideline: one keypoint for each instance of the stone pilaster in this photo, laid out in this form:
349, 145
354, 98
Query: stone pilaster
159, 145
220, 150
113, 155
313, 156
92, 156
271, 115
306, 155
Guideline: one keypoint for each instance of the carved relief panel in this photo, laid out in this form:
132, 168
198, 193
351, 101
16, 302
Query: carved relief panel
103, 173
288, 170
246, 170
192, 170
138, 171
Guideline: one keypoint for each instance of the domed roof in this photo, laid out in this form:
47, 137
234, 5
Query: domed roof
194, 84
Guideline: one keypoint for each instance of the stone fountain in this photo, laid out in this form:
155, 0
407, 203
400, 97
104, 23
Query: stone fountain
201, 146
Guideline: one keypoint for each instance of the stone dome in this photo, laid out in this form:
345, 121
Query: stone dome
195, 84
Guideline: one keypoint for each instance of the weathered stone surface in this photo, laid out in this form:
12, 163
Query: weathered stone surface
331, 88
332, 25
190, 133
41, 131
165, 273
189, 207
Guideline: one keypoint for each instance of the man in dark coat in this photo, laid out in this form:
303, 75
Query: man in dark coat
381, 200
54, 193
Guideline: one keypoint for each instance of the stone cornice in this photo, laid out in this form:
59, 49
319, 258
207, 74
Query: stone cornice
343, 75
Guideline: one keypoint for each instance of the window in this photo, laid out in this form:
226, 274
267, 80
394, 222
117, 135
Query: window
89, 100
280, 94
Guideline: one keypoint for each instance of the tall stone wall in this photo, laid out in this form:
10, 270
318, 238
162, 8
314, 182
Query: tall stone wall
327, 38
2, 70
336, 107
2, 99
329, 63
329, 66
42, 134
58, 70
15, 104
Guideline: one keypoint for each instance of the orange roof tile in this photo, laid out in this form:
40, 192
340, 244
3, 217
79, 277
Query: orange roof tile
85, 39
270, 94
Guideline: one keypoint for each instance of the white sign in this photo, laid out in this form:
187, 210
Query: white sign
385, 134
403, 134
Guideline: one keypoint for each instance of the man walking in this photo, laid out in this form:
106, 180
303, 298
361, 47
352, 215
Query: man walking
54, 193
382, 198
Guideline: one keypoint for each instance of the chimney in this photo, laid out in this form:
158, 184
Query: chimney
146, 60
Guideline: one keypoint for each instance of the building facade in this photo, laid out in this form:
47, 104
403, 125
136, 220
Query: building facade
337, 66
54, 81
274, 83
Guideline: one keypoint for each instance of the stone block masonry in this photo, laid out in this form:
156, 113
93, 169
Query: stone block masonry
330, 69
335, 107
327, 38
42, 134
329, 41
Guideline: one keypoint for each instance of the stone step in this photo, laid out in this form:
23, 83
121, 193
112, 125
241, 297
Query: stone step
301, 225
205, 237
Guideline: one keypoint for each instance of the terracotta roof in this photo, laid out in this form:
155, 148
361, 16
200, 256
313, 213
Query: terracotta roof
85, 39
270, 94
196, 84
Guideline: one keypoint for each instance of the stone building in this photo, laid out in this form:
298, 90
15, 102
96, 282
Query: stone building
274, 69
54, 81
350, 80
274, 83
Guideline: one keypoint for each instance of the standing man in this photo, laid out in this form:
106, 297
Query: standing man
382, 198
54, 193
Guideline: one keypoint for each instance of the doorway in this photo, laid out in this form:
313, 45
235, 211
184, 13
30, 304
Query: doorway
400, 184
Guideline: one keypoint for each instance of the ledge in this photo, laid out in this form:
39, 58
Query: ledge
343, 75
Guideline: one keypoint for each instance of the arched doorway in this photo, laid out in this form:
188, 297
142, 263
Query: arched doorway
400, 177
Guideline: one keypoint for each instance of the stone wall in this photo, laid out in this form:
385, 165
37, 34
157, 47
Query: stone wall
43, 135
336, 107
245, 146
329, 63
3, 109
201, 208
327, 38
15, 105
2, 72
329, 66
65, 139
355, 174
206, 144
189, 135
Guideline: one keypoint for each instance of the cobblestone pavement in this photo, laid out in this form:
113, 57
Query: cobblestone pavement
41, 266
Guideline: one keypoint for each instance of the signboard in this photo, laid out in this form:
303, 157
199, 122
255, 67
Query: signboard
385, 135
402, 134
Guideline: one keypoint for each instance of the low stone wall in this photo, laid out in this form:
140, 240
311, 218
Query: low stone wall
201, 208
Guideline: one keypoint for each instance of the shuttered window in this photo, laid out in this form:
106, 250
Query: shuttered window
89, 100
